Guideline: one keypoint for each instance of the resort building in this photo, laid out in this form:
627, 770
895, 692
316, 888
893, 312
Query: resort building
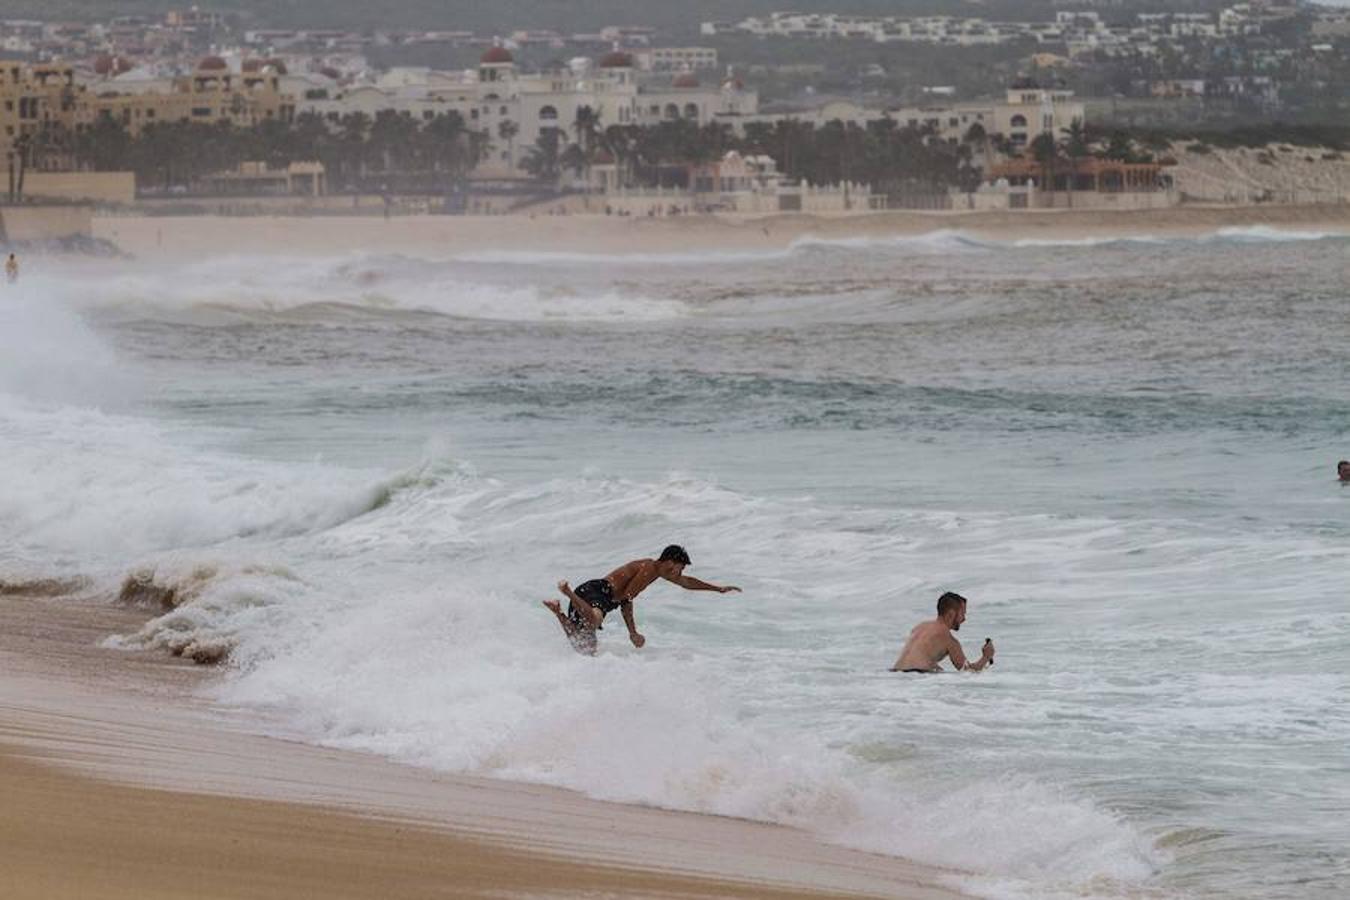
613, 89
31, 98
43, 104
1024, 113
212, 93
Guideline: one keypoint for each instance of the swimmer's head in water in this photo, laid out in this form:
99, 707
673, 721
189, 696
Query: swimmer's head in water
952, 607
1343, 469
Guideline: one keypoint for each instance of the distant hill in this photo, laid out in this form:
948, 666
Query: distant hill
507, 15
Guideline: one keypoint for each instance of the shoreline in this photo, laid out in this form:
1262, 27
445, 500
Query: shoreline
119, 782
194, 237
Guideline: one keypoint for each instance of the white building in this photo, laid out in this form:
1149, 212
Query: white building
533, 102
676, 59
1024, 113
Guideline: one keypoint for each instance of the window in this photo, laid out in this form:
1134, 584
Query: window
548, 114
1019, 121
149, 113
201, 110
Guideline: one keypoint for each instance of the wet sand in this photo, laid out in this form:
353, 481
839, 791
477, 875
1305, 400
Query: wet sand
120, 781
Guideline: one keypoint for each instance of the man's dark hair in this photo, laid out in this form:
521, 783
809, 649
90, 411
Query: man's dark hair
674, 553
949, 601
1342, 464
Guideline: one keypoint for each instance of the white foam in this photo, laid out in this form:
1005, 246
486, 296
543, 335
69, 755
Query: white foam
399, 633
1264, 233
242, 285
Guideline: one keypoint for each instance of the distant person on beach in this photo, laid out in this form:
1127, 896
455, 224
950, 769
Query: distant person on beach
930, 641
1343, 470
12, 268
593, 600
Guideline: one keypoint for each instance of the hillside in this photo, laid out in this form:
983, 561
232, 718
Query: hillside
508, 15
1277, 173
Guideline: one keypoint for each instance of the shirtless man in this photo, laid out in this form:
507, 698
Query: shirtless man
930, 641
591, 601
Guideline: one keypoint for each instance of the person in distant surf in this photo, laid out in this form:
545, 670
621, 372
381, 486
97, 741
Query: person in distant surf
12, 268
1343, 470
930, 641
594, 599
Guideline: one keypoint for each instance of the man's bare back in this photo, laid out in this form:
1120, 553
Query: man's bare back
932, 641
590, 602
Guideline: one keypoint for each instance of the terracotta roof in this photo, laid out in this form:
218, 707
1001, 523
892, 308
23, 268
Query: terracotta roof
616, 59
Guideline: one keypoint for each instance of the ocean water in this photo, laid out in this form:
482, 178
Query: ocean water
363, 474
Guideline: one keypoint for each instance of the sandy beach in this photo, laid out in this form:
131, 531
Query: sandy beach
120, 782
190, 237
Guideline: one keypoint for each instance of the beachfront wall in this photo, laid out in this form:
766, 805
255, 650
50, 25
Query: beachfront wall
45, 223
828, 200
89, 187
1032, 198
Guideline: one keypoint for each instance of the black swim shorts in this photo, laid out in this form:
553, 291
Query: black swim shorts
598, 593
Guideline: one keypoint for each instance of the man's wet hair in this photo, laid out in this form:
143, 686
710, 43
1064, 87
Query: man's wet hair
949, 601
1342, 464
674, 553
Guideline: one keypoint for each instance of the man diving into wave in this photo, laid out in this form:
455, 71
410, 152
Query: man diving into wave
593, 600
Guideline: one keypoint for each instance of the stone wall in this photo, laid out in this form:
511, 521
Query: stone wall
45, 223
88, 187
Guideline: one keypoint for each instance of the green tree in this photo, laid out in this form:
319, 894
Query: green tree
543, 159
508, 131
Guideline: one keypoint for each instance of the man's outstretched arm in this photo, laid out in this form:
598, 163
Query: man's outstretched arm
690, 583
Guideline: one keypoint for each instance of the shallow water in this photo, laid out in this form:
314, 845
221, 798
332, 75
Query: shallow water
365, 473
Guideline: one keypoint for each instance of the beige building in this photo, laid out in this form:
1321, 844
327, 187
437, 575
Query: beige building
34, 97
47, 99
212, 93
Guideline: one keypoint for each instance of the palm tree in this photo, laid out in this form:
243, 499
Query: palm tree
542, 160
621, 143
586, 127
1046, 152
352, 133
507, 131
447, 144
1076, 143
